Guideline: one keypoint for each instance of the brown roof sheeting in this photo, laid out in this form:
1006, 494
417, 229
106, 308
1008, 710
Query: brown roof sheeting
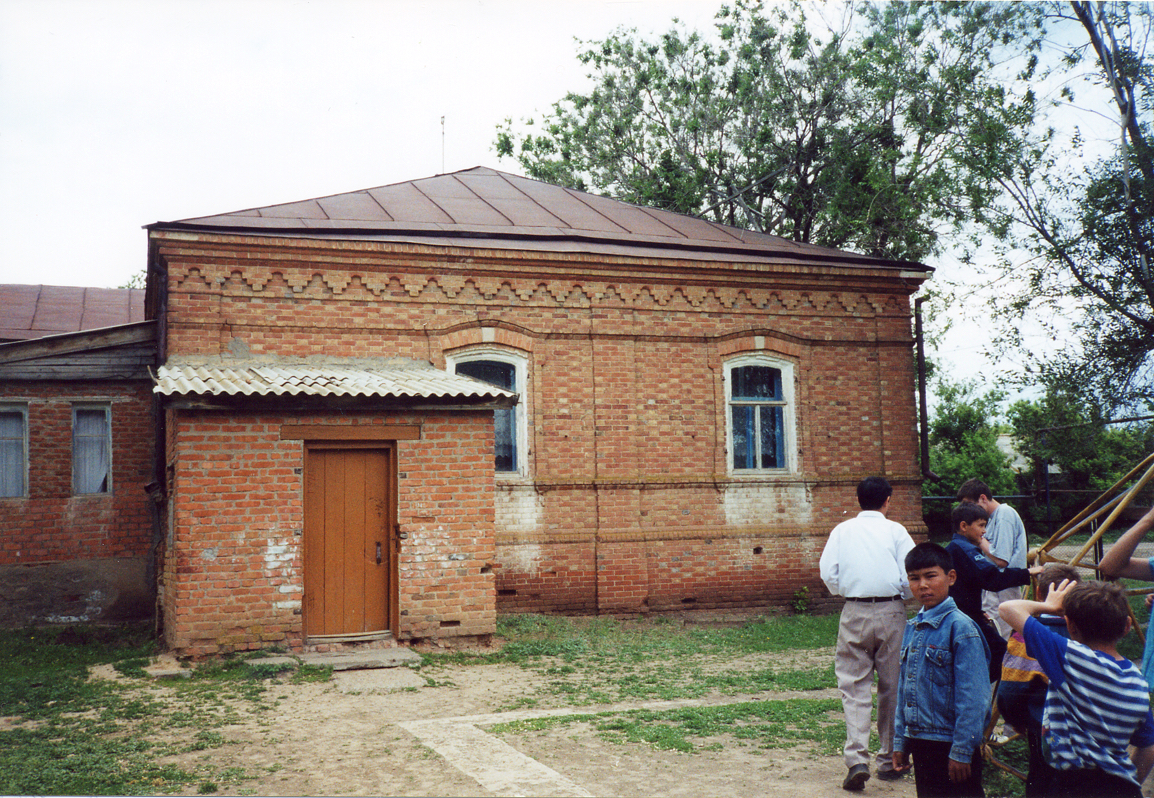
35, 311
485, 205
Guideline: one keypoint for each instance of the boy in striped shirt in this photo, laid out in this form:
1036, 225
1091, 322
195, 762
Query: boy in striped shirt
1097, 703
1022, 690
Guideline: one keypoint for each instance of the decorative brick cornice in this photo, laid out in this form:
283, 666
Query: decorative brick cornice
308, 283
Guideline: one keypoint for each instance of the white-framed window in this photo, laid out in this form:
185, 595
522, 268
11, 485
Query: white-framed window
506, 370
759, 414
13, 451
91, 449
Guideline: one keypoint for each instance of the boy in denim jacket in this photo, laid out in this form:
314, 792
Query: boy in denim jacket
943, 689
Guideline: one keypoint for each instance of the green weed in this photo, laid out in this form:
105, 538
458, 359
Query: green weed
800, 602
996, 781
205, 740
312, 673
81, 759
266, 670
133, 667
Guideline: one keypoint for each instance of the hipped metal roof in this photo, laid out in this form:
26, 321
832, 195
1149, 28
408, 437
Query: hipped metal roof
394, 378
36, 311
495, 209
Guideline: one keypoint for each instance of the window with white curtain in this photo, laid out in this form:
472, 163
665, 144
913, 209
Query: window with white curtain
13, 451
91, 449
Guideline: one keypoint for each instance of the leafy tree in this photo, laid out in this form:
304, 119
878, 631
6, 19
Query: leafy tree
135, 281
874, 137
964, 434
1067, 429
1092, 234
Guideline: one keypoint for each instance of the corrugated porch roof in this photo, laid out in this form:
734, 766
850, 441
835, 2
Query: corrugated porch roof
395, 378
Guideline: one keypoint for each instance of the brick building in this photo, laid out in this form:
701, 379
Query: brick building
76, 453
546, 400
694, 405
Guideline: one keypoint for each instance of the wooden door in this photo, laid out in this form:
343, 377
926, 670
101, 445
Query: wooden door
348, 542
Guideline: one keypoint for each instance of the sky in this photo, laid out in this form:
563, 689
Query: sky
115, 114
118, 113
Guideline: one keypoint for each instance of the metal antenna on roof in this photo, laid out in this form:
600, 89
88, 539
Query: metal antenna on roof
442, 145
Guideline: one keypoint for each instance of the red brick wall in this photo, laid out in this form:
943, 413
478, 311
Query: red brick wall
233, 575
51, 527
626, 357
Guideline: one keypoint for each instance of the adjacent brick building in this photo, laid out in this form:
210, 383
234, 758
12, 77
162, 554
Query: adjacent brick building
76, 455
391, 413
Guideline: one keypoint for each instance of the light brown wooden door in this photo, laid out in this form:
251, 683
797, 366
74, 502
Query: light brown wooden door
349, 549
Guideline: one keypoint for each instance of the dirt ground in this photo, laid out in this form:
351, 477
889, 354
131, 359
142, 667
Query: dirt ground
388, 732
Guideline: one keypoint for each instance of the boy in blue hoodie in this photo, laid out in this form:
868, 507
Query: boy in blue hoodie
943, 689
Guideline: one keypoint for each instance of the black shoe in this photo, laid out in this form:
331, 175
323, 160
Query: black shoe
890, 775
856, 779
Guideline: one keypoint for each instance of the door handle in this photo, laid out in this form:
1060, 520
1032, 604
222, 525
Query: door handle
378, 552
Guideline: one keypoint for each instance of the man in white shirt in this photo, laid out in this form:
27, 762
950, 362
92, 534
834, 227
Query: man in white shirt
1007, 536
865, 561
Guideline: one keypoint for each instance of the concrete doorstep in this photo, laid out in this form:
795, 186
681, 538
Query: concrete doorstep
348, 660
168, 667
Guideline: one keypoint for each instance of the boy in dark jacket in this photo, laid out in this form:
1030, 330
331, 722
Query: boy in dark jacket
976, 572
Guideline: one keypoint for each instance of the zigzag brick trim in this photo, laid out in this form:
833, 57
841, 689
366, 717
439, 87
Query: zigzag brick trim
309, 283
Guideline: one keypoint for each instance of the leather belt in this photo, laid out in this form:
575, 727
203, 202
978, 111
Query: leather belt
873, 599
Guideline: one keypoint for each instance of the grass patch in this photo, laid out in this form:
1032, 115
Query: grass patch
77, 735
1004, 785
602, 660
306, 674
758, 724
82, 759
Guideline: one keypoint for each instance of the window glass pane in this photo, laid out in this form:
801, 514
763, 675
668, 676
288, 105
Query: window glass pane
772, 443
503, 375
756, 382
11, 454
757, 417
90, 456
504, 423
744, 437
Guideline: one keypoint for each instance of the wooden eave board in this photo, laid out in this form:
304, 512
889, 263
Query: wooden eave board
574, 259
76, 344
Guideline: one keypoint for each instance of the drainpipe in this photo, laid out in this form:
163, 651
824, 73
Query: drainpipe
925, 415
156, 308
